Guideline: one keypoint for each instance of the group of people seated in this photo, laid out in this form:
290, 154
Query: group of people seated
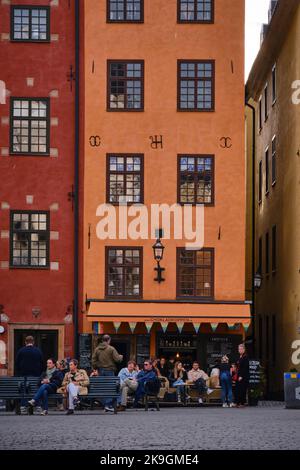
68, 379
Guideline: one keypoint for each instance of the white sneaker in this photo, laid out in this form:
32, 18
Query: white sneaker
225, 405
209, 391
231, 405
31, 402
109, 408
23, 410
200, 401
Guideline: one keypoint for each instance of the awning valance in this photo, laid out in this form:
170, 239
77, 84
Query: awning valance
163, 312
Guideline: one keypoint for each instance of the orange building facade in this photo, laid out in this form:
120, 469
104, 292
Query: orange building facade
163, 109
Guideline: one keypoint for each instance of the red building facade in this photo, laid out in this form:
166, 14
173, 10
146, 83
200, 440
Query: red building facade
37, 167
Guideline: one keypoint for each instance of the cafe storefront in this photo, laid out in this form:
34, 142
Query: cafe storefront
203, 334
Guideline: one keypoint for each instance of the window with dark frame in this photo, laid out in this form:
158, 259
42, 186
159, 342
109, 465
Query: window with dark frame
30, 126
267, 166
195, 11
274, 84
125, 11
267, 253
124, 272
274, 169
274, 248
195, 273
260, 114
260, 255
125, 85
274, 339
125, 179
196, 83
260, 182
30, 23
196, 179
29, 237
266, 102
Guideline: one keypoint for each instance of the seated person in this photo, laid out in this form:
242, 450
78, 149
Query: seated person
62, 367
50, 381
128, 383
199, 378
178, 379
75, 383
163, 368
94, 373
145, 378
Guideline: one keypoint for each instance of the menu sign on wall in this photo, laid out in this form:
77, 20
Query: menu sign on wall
85, 351
254, 373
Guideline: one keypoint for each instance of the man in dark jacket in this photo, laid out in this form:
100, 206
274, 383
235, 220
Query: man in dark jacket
105, 359
29, 361
242, 381
145, 378
51, 380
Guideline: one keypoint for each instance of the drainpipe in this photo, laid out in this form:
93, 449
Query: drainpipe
253, 226
76, 181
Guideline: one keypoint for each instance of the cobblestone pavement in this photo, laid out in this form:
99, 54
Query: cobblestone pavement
171, 428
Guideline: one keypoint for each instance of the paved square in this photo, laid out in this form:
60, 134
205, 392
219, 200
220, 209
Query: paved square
170, 429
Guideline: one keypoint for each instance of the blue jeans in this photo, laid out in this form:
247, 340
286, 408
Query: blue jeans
42, 394
226, 384
106, 373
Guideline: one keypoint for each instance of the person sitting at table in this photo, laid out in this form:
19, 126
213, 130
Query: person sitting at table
178, 379
199, 378
163, 367
128, 383
146, 378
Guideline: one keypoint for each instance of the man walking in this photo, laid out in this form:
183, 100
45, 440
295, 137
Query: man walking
105, 359
29, 363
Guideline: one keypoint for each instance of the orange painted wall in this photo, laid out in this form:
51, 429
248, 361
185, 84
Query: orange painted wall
160, 42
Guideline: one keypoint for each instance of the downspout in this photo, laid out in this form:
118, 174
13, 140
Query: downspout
253, 226
76, 181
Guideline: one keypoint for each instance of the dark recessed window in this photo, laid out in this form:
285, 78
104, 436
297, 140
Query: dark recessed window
123, 11
274, 84
267, 166
195, 273
196, 179
195, 11
266, 102
125, 179
260, 114
274, 168
196, 85
260, 182
274, 248
267, 253
125, 86
260, 255
29, 236
124, 272
30, 23
29, 126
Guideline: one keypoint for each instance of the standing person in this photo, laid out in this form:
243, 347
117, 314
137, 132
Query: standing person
51, 380
178, 379
105, 359
128, 382
29, 363
226, 382
75, 383
242, 381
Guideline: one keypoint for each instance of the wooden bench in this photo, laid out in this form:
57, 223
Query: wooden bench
17, 388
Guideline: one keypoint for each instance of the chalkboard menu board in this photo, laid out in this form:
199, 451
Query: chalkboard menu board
142, 348
254, 373
219, 345
85, 351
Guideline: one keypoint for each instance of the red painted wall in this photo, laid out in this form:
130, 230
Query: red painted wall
48, 179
